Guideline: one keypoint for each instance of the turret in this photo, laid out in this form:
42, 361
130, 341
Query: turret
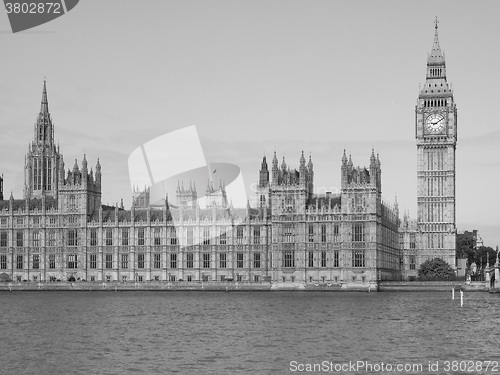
98, 174
302, 169
263, 174
275, 170
310, 177
84, 165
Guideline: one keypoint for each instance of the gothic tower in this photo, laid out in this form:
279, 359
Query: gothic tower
43, 159
263, 186
436, 134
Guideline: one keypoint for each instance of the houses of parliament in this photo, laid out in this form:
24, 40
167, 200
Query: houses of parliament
60, 230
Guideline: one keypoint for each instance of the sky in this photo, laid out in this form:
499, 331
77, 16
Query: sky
257, 77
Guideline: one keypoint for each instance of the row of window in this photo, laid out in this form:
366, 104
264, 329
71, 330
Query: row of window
358, 260
73, 238
357, 234
35, 220
72, 261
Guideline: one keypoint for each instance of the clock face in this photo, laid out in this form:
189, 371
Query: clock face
435, 123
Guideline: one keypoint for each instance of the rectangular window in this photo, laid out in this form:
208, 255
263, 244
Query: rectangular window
256, 235
206, 260
190, 236
189, 260
72, 237
256, 260
239, 260
19, 262
412, 262
239, 277
172, 278
336, 235
124, 279
52, 261
124, 236
323, 258
172, 235
222, 260
190, 278
3, 239
3, 262
323, 233
336, 258
140, 260
173, 260
3, 221
357, 232
288, 233
36, 239
36, 261
223, 238
93, 237
288, 258
311, 233
93, 261
206, 236
109, 261
19, 239
239, 235
109, 237
157, 237
157, 260
412, 241
20, 221
358, 258
72, 261
311, 259
140, 237
256, 278
52, 237
124, 260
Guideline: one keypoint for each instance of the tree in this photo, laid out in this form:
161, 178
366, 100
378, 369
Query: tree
483, 254
435, 270
465, 246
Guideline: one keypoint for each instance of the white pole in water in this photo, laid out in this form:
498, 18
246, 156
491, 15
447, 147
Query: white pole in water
461, 298
452, 293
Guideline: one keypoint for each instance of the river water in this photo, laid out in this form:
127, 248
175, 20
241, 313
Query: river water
245, 332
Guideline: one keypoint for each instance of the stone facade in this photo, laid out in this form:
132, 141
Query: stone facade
61, 231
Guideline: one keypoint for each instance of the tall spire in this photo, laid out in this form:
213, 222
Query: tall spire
436, 56
45, 104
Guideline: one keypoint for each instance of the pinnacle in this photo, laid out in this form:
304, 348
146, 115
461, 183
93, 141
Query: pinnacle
436, 56
45, 104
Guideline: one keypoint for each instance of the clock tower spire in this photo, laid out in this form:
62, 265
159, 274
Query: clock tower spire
436, 135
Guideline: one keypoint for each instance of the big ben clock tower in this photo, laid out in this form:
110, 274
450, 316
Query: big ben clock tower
436, 134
